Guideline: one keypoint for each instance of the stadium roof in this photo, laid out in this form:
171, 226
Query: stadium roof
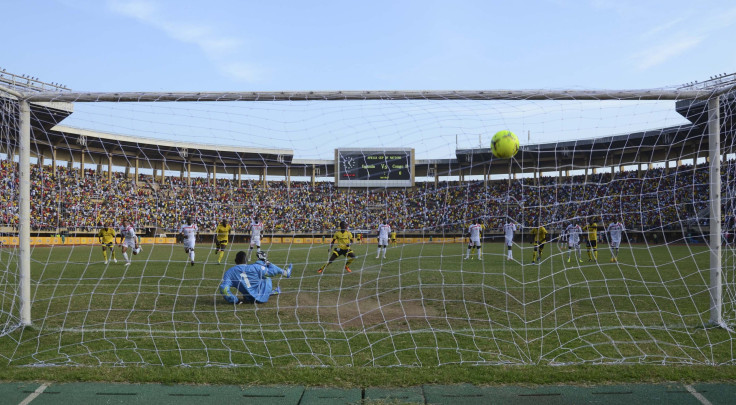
679, 142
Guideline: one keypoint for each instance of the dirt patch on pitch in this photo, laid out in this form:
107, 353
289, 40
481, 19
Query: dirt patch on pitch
367, 313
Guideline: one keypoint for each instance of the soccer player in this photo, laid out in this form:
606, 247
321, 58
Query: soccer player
592, 229
615, 229
252, 280
222, 234
256, 227
540, 238
474, 231
393, 237
508, 230
383, 232
129, 240
107, 240
188, 234
573, 233
344, 239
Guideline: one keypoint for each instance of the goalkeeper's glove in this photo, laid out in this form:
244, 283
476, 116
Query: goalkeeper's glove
287, 272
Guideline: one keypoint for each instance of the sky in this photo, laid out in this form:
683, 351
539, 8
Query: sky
217, 45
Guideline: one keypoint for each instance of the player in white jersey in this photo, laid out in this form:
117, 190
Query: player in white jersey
508, 233
474, 231
256, 227
383, 232
129, 240
573, 233
615, 230
188, 233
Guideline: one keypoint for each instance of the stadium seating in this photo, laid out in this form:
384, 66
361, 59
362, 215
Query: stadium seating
658, 199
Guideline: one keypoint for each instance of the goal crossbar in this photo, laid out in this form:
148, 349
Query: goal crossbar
577, 95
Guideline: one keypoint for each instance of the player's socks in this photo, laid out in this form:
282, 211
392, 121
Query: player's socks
125, 256
595, 254
479, 253
104, 253
191, 256
219, 258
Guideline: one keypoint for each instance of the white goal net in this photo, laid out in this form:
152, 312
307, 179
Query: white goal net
612, 260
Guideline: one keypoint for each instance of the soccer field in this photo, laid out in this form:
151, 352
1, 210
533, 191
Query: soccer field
423, 305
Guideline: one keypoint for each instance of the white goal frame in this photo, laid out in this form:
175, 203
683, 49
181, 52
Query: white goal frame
712, 95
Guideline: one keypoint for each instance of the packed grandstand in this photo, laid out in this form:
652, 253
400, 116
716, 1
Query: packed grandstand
650, 200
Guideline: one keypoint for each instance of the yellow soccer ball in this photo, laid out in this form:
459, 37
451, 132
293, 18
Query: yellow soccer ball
504, 144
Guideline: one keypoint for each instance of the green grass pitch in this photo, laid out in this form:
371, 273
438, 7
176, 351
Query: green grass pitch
424, 305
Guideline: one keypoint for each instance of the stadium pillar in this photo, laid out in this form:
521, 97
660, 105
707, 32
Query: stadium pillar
240, 177
41, 164
189, 173
24, 213
264, 173
714, 166
214, 174
81, 166
135, 179
163, 171
53, 161
109, 168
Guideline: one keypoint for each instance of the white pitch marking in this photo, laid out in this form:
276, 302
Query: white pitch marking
703, 400
35, 393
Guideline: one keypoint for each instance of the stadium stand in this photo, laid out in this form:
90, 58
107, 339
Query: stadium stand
654, 200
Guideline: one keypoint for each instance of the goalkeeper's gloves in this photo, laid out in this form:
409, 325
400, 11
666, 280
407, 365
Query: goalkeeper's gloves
287, 272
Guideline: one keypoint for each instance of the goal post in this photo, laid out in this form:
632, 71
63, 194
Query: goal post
24, 214
714, 168
432, 303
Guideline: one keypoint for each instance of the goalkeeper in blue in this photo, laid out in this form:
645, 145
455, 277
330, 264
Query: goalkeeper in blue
252, 280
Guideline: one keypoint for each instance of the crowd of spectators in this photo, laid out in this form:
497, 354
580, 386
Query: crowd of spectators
654, 199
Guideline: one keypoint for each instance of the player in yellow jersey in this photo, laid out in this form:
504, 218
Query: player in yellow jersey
343, 238
540, 238
592, 229
393, 237
222, 234
107, 239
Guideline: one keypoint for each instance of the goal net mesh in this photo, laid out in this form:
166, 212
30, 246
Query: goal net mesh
429, 299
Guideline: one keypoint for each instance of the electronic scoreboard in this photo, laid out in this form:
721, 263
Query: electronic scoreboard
386, 167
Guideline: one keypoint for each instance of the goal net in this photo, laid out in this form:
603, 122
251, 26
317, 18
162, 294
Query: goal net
624, 185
